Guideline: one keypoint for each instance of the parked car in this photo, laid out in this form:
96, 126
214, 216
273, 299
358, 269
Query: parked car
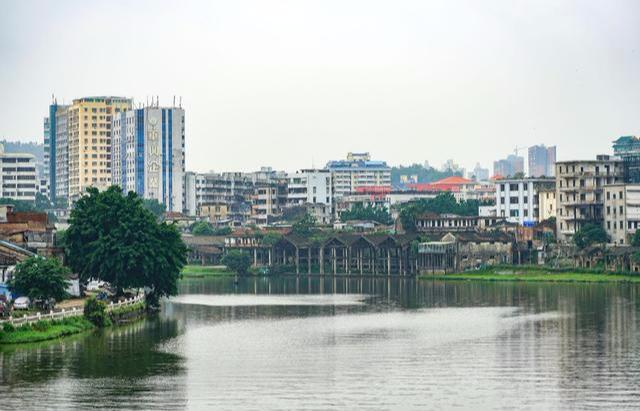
95, 285
22, 303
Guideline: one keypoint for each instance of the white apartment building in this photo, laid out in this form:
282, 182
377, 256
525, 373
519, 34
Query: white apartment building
148, 154
358, 170
310, 186
517, 199
579, 192
18, 180
621, 212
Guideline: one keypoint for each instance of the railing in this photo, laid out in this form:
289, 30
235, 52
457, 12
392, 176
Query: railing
73, 312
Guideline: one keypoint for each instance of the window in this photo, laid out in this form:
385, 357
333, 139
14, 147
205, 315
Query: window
513, 200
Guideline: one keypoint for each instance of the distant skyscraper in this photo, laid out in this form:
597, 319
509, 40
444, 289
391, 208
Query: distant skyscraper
628, 149
480, 173
47, 148
509, 166
542, 161
148, 154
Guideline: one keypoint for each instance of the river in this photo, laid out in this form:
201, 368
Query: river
338, 343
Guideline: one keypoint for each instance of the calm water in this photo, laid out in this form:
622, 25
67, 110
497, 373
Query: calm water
344, 344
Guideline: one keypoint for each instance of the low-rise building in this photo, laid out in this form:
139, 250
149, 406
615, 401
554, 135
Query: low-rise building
432, 222
517, 200
546, 204
621, 212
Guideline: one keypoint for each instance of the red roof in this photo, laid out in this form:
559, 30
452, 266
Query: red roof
452, 183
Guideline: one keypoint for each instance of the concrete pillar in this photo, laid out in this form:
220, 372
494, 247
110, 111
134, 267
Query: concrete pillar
255, 257
269, 257
297, 260
309, 260
388, 261
321, 259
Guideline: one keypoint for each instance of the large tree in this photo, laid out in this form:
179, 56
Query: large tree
114, 238
237, 261
367, 212
40, 279
590, 233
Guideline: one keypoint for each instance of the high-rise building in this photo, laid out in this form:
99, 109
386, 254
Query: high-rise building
148, 154
509, 166
542, 161
517, 199
358, 170
628, 149
18, 179
59, 177
47, 152
480, 173
89, 141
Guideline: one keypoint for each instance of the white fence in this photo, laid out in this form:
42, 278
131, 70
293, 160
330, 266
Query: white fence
73, 312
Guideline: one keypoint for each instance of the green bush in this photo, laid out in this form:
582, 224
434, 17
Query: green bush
96, 312
8, 327
41, 325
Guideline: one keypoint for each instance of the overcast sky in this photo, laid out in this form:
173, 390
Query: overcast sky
291, 84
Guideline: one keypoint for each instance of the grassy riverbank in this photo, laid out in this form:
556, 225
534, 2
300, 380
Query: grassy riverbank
536, 275
44, 330
196, 271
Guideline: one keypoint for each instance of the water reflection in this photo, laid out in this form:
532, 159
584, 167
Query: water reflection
346, 343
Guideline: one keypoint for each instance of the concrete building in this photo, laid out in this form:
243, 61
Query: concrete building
190, 204
18, 180
546, 204
89, 142
509, 166
517, 200
628, 149
479, 173
579, 192
59, 154
432, 222
542, 161
269, 198
621, 212
46, 125
358, 170
310, 186
148, 154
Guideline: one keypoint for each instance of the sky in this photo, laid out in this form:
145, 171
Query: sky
294, 84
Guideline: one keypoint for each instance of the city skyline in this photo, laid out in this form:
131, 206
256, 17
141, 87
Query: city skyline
355, 77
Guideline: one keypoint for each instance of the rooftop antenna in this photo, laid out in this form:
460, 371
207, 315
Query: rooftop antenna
147, 101
157, 101
180, 101
174, 100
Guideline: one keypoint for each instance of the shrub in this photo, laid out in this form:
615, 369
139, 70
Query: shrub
40, 325
96, 312
8, 327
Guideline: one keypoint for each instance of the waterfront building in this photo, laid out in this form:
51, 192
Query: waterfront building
621, 212
310, 186
269, 198
546, 203
542, 161
148, 154
433, 222
358, 170
517, 200
233, 189
509, 166
628, 149
18, 179
579, 192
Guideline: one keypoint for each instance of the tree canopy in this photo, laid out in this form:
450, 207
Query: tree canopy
443, 203
157, 208
114, 238
205, 228
305, 225
40, 279
368, 212
635, 239
588, 234
237, 261
424, 174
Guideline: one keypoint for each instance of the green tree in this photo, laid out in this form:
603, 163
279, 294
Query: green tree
202, 228
635, 239
40, 279
368, 212
237, 261
443, 203
305, 225
157, 208
424, 174
96, 312
588, 234
42, 203
114, 238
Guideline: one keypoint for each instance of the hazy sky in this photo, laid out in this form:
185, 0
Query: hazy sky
292, 84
